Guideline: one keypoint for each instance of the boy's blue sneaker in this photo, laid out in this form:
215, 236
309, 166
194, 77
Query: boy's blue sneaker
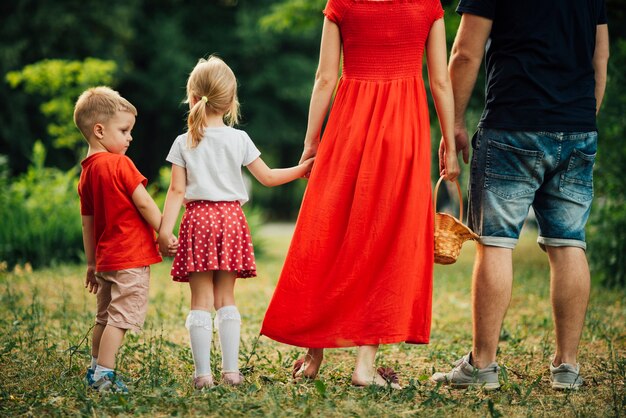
109, 382
89, 376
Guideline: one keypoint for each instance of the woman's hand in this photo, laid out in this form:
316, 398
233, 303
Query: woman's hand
309, 153
310, 150
448, 162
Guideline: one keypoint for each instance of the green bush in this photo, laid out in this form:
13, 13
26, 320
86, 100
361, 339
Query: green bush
40, 214
607, 225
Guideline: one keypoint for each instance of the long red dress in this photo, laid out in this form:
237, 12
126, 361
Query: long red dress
359, 268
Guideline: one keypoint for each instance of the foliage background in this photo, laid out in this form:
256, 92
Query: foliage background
145, 49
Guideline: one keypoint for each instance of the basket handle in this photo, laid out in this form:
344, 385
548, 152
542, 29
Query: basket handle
458, 188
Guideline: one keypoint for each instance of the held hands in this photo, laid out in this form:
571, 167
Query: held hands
91, 284
308, 155
168, 245
448, 163
308, 165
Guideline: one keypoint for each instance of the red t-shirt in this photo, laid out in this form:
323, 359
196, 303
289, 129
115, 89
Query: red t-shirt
123, 239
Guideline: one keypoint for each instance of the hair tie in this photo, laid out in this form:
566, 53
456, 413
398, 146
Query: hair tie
204, 99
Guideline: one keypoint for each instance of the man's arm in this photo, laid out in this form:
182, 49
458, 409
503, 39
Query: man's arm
465, 60
600, 62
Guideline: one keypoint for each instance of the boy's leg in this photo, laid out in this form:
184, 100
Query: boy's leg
103, 300
98, 329
123, 306
200, 326
228, 324
110, 343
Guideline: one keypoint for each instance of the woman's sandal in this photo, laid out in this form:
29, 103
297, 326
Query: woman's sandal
232, 378
299, 366
390, 376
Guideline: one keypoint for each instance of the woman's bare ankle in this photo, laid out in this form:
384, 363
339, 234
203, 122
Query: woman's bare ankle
313, 360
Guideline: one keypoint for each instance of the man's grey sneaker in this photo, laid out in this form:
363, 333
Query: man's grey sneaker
464, 375
109, 382
565, 377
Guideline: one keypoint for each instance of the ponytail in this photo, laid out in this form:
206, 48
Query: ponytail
196, 122
213, 87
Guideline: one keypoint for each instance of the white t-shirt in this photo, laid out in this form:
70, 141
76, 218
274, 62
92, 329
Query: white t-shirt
214, 166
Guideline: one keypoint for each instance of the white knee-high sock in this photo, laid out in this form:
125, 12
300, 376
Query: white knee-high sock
228, 324
200, 328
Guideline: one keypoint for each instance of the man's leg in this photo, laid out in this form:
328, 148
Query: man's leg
569, 291
491, 294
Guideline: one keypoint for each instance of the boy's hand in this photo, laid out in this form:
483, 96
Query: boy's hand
172, 246
91, 284
168, 245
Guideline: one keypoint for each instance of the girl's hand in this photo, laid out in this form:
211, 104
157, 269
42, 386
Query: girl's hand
172, 246
168, 245
308, 165
448, 163
91, 284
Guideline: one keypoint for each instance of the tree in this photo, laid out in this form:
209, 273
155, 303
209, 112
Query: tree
61, 82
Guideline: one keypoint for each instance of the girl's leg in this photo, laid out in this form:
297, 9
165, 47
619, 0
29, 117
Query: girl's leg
365, 373
200, 326
228, 324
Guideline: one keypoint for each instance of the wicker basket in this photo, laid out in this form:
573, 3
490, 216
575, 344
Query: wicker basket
450, 233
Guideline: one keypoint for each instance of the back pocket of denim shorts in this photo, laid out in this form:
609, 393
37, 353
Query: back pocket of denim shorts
577, 181
510, 171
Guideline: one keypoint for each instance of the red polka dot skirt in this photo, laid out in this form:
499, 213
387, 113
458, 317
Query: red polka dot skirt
213, 236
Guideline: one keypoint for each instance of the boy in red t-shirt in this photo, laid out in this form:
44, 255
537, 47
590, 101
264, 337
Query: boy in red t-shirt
119, 219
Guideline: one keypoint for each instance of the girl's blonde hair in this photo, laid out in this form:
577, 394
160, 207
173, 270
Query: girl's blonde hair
213, 87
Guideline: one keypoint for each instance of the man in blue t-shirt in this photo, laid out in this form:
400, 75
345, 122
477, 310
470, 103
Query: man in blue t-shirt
535, 146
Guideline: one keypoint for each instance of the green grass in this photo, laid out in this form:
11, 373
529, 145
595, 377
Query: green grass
46, 315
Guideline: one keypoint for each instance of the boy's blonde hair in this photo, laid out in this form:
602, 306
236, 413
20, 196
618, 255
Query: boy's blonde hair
212, 84
98, 105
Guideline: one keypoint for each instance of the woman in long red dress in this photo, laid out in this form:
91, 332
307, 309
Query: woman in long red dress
359, 268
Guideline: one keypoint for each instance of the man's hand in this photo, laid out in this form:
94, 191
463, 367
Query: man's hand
461, 138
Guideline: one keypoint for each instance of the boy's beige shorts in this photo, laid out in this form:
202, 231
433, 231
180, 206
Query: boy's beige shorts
122, 299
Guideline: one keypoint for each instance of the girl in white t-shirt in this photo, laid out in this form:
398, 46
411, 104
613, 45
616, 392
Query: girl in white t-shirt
214, 244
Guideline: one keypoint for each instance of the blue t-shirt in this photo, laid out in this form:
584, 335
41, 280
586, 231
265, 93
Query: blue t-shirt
538, 61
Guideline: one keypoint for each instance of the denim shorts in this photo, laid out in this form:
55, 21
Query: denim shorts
550, 171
